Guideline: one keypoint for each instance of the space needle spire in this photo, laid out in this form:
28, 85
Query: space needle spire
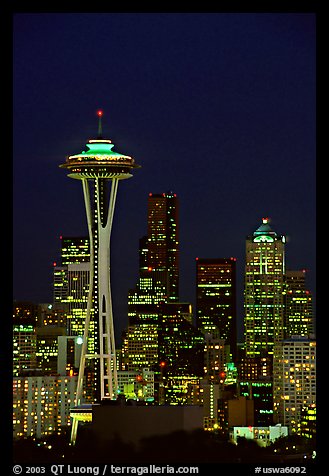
100, 170
100, 115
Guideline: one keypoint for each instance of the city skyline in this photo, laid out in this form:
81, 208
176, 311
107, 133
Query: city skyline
236, 145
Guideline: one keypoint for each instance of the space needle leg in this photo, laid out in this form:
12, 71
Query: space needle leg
88, 312
112, 363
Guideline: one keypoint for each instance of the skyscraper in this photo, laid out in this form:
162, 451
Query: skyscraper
162, 247
264, 290
298, 313
97, 167
216, 299
161, 334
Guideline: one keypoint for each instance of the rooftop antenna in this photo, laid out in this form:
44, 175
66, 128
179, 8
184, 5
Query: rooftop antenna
100, 132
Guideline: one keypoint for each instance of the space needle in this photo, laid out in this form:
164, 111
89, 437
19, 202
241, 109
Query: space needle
100, 169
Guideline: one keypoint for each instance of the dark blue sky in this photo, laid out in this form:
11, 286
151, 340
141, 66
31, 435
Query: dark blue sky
217, 107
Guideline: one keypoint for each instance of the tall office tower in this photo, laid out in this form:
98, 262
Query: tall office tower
294, 384
216, 299
264, 290
162, 248
298, 313
98, 167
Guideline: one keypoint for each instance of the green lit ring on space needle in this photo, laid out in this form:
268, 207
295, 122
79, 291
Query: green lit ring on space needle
99, 161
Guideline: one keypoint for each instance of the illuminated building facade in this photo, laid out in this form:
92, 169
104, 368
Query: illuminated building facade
137, 385
294, 385
253, 368
181, 348
215, 358
51, 315
78, 276
162, 247
308, 421
24, 348
41, 404
261, 392
264, 290
298, 306
262, 435
140, 348
160, 328
144, 299
216, 299
235, 412
47, 348
69, 354
60, 287
181, 345
26, 312
211, 397
100, 169
74, 249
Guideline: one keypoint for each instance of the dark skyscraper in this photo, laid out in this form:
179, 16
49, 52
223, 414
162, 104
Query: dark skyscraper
163, 241
216, 299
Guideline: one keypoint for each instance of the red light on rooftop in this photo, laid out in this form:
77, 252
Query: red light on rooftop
150, 194
196, 259
54, 263
99, 113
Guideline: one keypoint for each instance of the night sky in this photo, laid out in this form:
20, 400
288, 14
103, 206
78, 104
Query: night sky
217, 107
